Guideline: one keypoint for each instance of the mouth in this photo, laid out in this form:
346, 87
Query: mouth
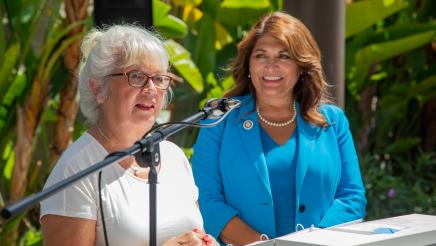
145, 106
272, 78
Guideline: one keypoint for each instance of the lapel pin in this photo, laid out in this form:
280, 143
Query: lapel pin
248, 124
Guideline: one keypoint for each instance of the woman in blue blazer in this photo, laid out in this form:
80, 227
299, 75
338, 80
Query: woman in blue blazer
284, 160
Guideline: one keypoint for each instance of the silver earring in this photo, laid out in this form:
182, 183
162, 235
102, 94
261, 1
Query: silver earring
302, 77
249, 75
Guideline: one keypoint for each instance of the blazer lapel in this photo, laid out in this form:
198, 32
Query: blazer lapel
250, 139
307, 134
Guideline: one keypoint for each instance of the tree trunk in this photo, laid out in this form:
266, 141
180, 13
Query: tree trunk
28, 120
76, 10
428, 119
326, 20
28, 117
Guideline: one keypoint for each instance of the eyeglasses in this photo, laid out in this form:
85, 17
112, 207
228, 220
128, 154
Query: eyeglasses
140, 80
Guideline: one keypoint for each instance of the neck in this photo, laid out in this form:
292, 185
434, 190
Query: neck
276, 105
115, 138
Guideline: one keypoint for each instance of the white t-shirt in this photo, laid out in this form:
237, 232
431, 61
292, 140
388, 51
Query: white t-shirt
125, 197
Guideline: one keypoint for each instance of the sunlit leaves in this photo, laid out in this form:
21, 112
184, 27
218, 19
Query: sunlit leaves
181, 60
363, 14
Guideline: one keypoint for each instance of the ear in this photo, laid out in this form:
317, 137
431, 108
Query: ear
96, 90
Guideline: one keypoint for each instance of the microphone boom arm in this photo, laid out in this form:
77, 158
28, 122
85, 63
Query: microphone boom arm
155, 137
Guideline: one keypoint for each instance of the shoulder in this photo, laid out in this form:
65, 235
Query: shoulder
332, 113
244, 98
84, 152
171, 148
172, 154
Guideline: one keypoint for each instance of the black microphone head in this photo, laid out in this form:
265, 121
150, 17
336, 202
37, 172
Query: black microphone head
230, 103
223, 104
219, 106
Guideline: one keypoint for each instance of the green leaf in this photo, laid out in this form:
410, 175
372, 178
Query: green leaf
10, 59
228, 82
205, 53
186, 2
170, 26
211, 8
16, 89
400, 31
375, 53
32, 237
363, 14
252, 4
403, 145
2, 39
277, 4
9, 156
238, 17
56, 34
180, 58
47, 71
215, 92
160, 10
424, 89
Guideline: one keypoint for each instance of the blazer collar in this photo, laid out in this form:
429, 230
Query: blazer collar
310, 131
250, 138
307, 134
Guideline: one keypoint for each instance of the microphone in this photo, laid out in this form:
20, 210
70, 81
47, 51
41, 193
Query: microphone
219, 106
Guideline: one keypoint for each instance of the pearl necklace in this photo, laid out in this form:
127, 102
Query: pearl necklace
275, 124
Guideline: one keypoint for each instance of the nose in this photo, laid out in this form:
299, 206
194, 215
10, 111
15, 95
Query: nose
149, 87
272, 62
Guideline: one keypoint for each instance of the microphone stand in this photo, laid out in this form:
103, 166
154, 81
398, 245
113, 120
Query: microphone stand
146, 150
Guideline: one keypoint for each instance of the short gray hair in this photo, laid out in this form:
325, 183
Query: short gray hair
115, 47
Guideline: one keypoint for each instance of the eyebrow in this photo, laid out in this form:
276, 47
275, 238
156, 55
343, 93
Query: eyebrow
263, 50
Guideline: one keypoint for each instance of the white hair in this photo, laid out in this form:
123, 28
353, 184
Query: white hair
115, 47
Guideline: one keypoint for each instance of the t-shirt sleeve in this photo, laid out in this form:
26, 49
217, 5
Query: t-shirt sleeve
78, 200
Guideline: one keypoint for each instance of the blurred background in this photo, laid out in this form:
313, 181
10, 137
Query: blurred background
378, 55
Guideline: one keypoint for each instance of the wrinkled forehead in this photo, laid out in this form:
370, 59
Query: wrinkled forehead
150, 68
145, 61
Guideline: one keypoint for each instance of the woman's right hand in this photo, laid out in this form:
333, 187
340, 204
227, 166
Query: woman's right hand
196, 238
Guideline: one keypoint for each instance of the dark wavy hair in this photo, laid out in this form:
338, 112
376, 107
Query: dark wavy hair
311, 88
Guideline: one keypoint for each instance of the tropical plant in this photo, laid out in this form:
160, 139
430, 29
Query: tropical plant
214, 28
33, 39
35, 81
391, 80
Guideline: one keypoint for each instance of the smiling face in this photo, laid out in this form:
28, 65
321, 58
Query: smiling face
133, 108
273, 72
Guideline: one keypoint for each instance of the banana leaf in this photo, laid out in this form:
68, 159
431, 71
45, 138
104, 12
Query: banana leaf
181, 60
363, 14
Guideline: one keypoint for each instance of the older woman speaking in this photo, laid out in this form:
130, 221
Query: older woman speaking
123, 85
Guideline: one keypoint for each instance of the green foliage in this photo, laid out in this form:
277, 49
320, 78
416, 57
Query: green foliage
32, 41
214, 29
181, 59
390, 77
32, 237
375, 10
169, 25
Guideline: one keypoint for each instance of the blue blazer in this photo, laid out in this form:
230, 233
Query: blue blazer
231, 174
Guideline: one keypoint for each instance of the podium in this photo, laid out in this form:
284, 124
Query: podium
412, 229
